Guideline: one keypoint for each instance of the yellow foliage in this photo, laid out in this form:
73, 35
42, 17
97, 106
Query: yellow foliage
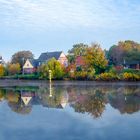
2, 70
131, 76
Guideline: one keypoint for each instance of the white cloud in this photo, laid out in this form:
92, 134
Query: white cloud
69, 13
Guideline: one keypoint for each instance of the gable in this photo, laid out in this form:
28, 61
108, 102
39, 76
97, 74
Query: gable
28, 65
62, 55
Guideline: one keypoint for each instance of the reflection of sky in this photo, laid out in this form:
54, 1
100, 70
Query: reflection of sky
44, 123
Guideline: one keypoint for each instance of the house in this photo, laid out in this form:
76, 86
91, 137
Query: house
1, 61
132, 65
59, 56
30, 66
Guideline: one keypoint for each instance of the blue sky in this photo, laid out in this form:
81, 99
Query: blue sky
54, 25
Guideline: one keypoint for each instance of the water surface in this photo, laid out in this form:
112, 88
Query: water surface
70, 112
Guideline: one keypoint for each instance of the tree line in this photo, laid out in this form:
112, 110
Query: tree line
98, 64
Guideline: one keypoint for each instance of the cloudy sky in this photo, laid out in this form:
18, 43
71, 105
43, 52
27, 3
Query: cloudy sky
54, 25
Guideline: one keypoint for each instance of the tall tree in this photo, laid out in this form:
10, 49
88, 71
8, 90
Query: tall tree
2, 70
128, 51
21, 56
95, 58
77, 50
55, 67
13, 69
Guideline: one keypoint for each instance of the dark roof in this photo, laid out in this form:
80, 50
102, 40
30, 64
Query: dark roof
48, 55
132, 63
34, 62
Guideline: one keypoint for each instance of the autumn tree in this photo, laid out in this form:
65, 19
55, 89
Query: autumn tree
53, 65
21, 56
13, 69
124, 52
2, 70
77, 50
95, 58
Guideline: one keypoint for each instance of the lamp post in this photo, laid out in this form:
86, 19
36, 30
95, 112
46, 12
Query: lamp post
50, 78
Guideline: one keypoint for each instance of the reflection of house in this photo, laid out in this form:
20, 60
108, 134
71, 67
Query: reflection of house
64, 100
30, 66
60, 56
26, 98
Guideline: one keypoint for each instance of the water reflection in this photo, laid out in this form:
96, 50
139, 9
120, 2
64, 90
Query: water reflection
91, 100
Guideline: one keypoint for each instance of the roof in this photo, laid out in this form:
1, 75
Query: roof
49, 55
34, 62
132, 63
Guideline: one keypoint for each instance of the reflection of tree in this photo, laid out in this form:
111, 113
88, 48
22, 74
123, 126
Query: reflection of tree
12, 96
2, 94
14, 102
82, 98
57, 100
20, 108
94, 104
125, 103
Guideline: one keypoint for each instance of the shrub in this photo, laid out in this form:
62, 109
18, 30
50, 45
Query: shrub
82, 75
27, 76
130, 76
107, 77
13, 69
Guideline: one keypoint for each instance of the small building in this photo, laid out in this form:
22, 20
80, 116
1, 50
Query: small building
133, 65
2, 61
30, 66
59, 56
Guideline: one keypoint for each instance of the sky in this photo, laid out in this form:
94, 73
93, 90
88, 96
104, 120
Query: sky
56, 25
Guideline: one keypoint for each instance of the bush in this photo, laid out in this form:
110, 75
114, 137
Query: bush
107, 77
27, 77
131, 71
130, 76
82, 75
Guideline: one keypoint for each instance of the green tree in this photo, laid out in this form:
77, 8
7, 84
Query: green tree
78, 49
13, 69
95, 58
21, 56
124, 51
53, 65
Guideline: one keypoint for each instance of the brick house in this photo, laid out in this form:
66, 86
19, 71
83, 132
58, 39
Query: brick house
59, 56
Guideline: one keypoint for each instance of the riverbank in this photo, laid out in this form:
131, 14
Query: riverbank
13, 82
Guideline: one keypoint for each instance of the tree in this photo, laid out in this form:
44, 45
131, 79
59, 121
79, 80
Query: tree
53, 65
127, 51
95, 58
77, 50
2, 70
13, 69
21, 56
